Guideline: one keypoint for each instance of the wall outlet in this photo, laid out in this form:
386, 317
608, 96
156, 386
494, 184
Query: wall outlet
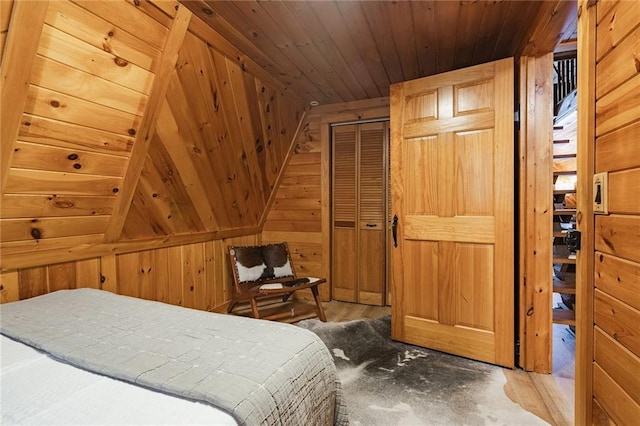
601, 193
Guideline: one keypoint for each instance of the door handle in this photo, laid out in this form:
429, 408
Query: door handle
394, 230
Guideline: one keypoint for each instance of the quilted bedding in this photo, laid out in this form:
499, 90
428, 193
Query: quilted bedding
260, 372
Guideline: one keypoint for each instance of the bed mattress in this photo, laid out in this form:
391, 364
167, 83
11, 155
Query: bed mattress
38, 390
260, 372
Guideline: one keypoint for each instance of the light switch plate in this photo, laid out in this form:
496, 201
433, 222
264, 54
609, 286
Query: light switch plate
601, 193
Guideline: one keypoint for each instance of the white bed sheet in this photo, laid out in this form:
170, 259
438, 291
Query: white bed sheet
39, 390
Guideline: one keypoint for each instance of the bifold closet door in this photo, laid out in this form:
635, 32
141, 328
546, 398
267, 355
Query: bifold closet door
345, 245
359, 200
371, 213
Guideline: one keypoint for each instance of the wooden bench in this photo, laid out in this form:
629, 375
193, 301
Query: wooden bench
265, 271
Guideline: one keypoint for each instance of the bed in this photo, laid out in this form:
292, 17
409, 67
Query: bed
184, 366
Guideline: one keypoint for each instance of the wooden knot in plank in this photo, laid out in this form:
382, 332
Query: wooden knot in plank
120, 62
36, 233
64, 204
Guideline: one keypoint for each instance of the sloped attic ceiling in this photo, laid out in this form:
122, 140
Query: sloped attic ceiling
131, 120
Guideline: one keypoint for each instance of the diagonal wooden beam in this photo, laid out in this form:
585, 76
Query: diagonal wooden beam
166, 67
27, 19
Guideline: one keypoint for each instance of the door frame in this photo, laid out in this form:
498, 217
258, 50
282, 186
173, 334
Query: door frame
587, 19
535, 215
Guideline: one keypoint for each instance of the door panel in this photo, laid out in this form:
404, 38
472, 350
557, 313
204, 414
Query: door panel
372, 272
345, 274
452, 164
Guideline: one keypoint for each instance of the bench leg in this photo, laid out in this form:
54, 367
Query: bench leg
316, 297
254, 308
232, 305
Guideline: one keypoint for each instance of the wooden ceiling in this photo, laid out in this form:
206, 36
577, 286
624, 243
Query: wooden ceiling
339, 51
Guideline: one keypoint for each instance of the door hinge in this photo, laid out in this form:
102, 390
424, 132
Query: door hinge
572, 240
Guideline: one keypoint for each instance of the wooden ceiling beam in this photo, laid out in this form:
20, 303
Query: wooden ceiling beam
162, 78
22, 42
87, 250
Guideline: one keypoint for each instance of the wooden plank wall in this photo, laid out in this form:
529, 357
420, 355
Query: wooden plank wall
192, 275
131, 124
301, 211
616, 305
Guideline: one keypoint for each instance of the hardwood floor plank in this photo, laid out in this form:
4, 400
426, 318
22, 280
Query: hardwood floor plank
521, 390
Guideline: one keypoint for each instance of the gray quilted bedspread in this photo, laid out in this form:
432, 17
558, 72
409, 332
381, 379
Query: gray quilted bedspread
259, 371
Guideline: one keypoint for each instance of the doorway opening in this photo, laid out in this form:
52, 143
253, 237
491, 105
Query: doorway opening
564, 221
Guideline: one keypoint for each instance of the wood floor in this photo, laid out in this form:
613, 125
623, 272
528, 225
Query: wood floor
549, 397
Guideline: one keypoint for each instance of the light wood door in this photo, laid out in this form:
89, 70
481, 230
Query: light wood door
360, 198
452, 168
345, 212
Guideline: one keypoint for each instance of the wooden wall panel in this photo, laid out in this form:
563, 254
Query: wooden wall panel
617, 405
616, 274
9, 287
96, 30
619, 278
130, 121
33, 282
619, 149
618, 320
62, 276
192, 275
84, 100
620, 363
224, 134
618, 235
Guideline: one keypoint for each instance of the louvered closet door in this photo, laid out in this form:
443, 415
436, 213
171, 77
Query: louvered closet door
359, 209
345, 247
371, 282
